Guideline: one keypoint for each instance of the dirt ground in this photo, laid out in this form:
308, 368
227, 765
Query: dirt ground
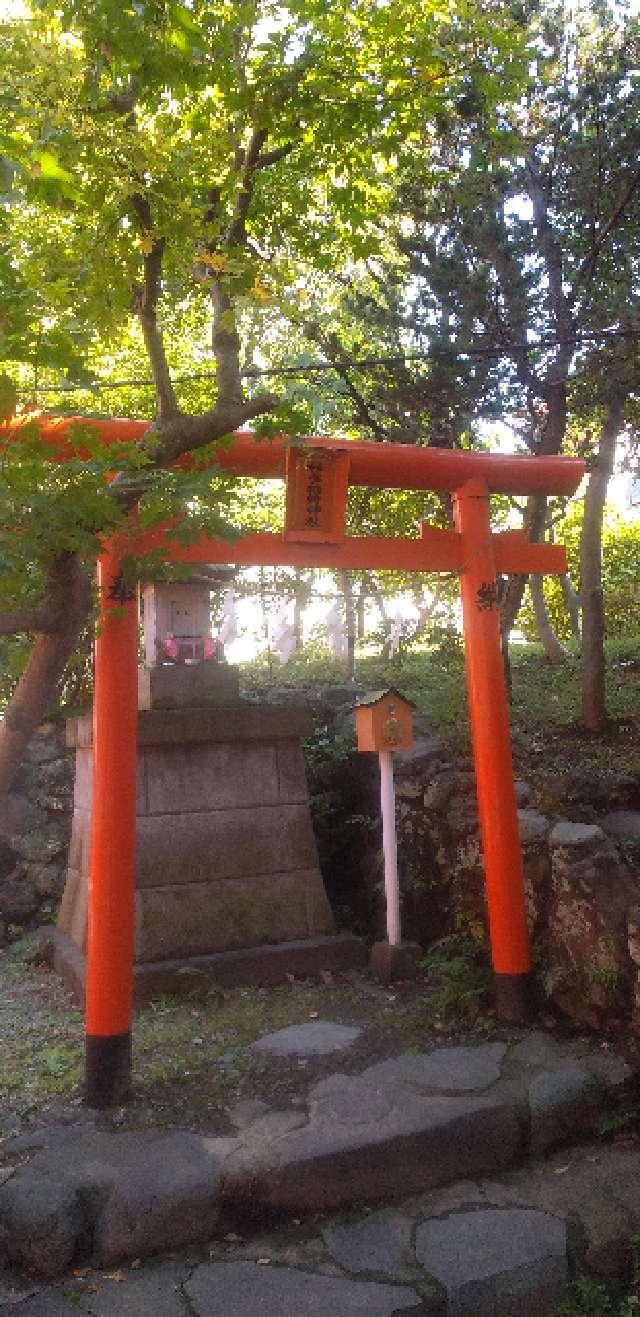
193, 1059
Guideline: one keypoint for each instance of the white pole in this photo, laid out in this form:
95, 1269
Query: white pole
388, 800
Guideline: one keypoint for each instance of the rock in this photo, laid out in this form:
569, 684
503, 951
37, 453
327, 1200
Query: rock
409, 790
494, 1263
622, 824
243, 1289
49, 879
533, 826
575, 834
247, 1112
42, 749
150, 1291
381, 1243
42, 844
129, 1194
564, 1102
316, 1038
524, 794
365, 1139
424, 751
41, 1305
536, 1050
18, 897
446, 1069
462, 815
439, 791
8, 858
614, 1073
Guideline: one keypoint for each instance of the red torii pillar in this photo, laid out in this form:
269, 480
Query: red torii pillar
490, 734
471, 549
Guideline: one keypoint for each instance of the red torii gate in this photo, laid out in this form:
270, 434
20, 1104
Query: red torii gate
318, 473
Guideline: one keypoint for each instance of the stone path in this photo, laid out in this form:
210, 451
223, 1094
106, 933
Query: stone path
485, 1231
490, 1247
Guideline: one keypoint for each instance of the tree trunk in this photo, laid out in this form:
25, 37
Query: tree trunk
594, 712
554, 650
70, 593
361, 603
573, 604
297, 608
350, 624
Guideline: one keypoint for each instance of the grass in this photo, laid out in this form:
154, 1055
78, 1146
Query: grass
545, 704
193, 1056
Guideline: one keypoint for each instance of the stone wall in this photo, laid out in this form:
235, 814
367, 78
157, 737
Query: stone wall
582, 876
580, 835
35, 826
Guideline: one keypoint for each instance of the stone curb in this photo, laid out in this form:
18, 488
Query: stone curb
410, 1124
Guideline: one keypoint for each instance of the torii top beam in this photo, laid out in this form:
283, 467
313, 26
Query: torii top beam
377, 465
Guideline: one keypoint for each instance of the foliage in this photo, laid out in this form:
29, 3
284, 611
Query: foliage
458, 975
620, 580
588, 1297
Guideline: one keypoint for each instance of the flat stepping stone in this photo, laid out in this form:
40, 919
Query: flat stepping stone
493, 1262
40, 1305
378, 1244
532, 825
315, 1038
243, 1289
567, 833
623, 824
447, 1069
149, 1291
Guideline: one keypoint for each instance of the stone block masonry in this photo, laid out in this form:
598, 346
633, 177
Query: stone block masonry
226, 859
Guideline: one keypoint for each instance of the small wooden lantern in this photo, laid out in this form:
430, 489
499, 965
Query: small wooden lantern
384, 721
384, 724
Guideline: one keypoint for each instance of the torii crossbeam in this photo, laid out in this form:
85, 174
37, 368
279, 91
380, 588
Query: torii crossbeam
318, 473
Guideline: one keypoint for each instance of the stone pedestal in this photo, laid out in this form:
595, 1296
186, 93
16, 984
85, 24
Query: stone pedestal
228, 885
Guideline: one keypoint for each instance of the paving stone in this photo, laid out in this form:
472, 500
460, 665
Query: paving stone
41, 1305
131, 1193
496, 1263
364, 1140
623, 824
533, 826
536, 1050
448, 1069
315, 1038
151, 1291
564, 1102
566, 833
606, 1066
380, 1243
242, 1289
594, 1184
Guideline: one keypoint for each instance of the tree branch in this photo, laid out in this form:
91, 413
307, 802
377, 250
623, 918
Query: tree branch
40, 618
146, 304
69, 591
587, 266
